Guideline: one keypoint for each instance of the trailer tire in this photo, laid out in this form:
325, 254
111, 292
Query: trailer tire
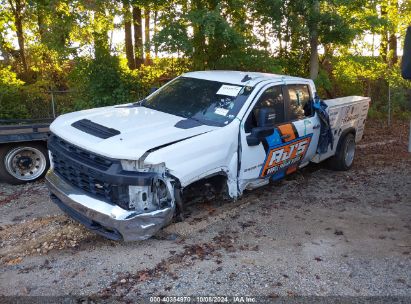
23, 162
344, 156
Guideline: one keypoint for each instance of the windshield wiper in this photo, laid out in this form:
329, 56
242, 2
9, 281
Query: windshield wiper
195, 119
188, 117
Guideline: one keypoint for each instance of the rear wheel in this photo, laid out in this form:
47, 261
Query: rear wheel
23, 163
344, 156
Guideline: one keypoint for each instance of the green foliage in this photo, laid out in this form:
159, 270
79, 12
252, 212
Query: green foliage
18, 100
361, 75
323, 83
69, 46
174, 39
250, 60
99, 82
158, 73
10, 95
36, 99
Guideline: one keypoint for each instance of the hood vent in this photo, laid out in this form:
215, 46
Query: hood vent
95, 129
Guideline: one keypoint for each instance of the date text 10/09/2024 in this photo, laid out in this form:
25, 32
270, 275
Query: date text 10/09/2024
203, 299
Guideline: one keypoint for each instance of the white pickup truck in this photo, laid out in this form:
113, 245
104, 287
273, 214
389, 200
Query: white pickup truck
123, 171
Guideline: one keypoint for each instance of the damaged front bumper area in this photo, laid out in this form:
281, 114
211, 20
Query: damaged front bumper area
106, 219
114, 198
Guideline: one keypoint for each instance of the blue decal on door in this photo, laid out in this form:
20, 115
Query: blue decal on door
284, 150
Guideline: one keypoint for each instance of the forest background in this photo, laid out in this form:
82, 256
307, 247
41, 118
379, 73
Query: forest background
88, 53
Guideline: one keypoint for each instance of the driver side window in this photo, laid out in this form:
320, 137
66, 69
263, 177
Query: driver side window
272, 98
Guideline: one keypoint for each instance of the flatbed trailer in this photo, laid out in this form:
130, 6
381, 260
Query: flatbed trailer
23, 149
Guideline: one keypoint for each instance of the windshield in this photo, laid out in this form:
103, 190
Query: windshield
209, 102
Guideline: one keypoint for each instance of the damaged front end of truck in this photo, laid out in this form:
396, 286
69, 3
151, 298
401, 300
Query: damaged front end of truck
119, 199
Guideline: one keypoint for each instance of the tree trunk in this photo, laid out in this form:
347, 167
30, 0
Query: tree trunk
314, 65
138, 37
384, 35
40, 24
392, 44
214, 49
17, 9
42, 31
128, 39
100, 36
327, 66
199, 52
280, 42
314, 68
265, 38
155, 33
147, 35
392, 40
198, 45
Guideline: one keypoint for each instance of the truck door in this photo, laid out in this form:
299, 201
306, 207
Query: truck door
302, 116
291, 141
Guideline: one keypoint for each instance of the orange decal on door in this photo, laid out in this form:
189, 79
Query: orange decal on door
287, 155
288, 132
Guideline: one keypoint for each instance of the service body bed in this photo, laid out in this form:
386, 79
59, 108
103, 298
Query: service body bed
345, 113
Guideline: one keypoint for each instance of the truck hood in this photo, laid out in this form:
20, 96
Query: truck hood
140, 129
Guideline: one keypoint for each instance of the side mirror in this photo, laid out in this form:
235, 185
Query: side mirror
265, 126
258, 134
266, 117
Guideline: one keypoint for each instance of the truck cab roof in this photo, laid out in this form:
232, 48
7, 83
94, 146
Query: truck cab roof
241, 78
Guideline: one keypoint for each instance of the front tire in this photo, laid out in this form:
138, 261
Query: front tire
344, 156
23, 162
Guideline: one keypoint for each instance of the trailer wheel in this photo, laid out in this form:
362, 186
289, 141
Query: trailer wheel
344, 156
23, 163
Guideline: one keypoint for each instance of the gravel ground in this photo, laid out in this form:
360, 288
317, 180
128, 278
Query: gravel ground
318, 232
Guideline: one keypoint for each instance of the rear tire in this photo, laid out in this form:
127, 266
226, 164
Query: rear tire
344, 156
23, 162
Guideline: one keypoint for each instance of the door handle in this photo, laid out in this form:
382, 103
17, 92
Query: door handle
285, 136
316, 126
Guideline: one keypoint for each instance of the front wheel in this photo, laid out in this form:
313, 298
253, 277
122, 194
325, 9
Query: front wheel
23, 163
344, 156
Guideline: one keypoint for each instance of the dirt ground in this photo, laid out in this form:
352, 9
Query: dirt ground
318, 232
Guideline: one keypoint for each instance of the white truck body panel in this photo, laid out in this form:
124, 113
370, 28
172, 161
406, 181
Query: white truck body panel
209, 153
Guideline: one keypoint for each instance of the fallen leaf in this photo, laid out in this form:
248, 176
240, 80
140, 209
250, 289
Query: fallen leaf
14, 261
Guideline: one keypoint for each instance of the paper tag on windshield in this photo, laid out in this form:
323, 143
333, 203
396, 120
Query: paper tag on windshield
229, 90
221, 111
